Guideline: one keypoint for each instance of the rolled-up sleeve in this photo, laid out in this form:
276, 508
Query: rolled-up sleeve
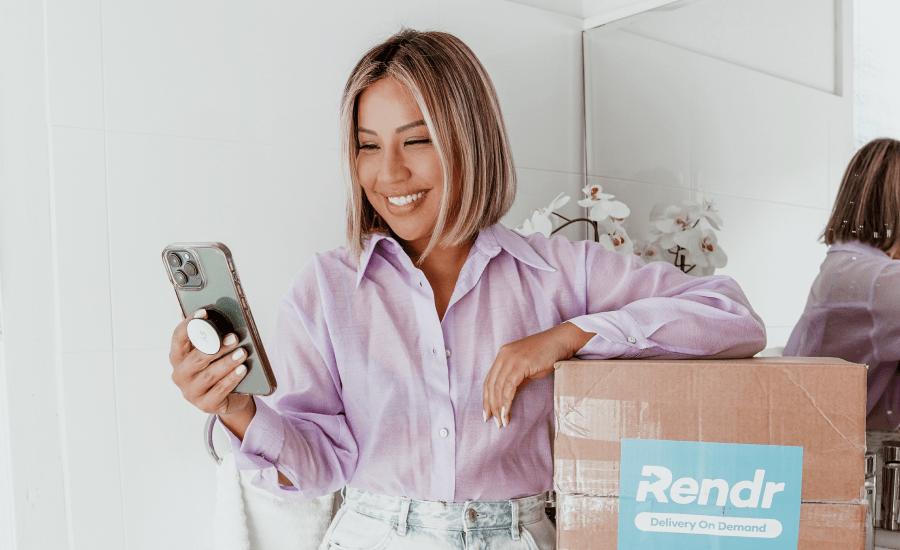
655, 310
300, 430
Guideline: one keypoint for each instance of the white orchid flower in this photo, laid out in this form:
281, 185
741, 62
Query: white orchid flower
537, 224
706, 211
691, 240
602, 206
540, 220
710, 248
672, 220
649, 253
653, 253
618, 241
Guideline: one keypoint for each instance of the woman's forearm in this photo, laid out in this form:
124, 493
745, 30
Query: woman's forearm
239, 420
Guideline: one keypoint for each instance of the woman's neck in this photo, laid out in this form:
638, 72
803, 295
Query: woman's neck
441, 267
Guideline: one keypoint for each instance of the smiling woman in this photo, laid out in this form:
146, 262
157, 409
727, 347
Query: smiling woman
442, 104
398, 167
386, 353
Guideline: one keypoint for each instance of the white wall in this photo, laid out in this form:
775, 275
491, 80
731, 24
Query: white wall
876, 70
32, 479
175, 121
747, 102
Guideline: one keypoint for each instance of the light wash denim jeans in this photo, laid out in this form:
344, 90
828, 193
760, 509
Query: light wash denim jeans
367, 521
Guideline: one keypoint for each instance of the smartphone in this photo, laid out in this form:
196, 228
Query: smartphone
204, 277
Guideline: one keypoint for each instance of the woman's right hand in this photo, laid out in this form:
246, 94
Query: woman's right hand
206, 381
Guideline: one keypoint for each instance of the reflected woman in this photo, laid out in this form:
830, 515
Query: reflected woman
415, 366
853, 310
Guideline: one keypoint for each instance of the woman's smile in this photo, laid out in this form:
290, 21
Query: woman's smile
404, 200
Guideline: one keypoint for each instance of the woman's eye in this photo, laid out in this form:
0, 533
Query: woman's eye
367, 146
420, 141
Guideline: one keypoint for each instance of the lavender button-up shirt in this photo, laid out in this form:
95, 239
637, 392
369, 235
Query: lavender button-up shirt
853, 312
376, 392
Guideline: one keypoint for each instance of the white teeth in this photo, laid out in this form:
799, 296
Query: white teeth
400, 201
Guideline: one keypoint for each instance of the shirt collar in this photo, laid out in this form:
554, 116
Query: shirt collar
497, 237
490, 241
858, 247
387, 242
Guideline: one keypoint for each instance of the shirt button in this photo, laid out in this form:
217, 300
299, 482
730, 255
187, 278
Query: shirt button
447, 351
420, 283
444, 432
632, 339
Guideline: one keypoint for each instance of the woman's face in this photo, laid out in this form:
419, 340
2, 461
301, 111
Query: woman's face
397, 165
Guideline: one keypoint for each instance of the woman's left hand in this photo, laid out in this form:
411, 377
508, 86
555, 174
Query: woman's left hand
520, 362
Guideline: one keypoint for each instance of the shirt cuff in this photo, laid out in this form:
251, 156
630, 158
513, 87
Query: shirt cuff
262, 442
616, 334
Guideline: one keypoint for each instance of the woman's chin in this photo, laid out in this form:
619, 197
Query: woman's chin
412, 233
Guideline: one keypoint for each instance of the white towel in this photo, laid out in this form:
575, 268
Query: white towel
250, 518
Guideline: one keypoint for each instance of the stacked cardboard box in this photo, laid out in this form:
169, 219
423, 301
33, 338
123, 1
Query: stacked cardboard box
817, 404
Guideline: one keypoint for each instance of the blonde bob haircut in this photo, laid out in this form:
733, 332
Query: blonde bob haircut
867, 207
460, 108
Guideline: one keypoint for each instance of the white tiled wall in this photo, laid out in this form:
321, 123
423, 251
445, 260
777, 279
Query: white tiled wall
176, 121
675, 113
877, 73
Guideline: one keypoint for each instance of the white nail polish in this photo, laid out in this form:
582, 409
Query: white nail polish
238, 354
485, 415
240, 370
230, 340
503, 416
200, 314
497, 420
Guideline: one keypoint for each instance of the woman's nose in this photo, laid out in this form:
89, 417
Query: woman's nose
393, 167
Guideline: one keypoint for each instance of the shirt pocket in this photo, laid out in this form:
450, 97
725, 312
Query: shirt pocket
356, 531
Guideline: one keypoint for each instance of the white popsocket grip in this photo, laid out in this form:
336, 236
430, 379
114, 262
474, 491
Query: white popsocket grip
207, 334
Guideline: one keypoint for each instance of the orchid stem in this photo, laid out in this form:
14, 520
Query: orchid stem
569, 222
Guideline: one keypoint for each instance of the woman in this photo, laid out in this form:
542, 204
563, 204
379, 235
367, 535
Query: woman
853, 310
392, 356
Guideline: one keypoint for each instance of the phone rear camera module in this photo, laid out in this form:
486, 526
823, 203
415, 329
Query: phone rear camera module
190, 269
180, 277
187, 257
174, 260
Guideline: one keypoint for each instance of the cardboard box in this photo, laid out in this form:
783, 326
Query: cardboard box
817, 404
593, 522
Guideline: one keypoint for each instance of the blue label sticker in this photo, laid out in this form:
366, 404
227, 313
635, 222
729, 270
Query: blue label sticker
722, 496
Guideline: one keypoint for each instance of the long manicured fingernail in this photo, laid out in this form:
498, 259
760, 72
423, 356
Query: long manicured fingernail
229, 340
238, 354
503, 416
485, 415
240, 370
497, 420
200, 314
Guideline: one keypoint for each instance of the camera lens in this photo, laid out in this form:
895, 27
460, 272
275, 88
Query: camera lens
174, 260
190, 269
180, 277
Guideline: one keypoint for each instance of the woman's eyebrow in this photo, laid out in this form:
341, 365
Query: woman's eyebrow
399, 130
406, 127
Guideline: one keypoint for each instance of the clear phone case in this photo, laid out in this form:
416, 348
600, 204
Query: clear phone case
213, 283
